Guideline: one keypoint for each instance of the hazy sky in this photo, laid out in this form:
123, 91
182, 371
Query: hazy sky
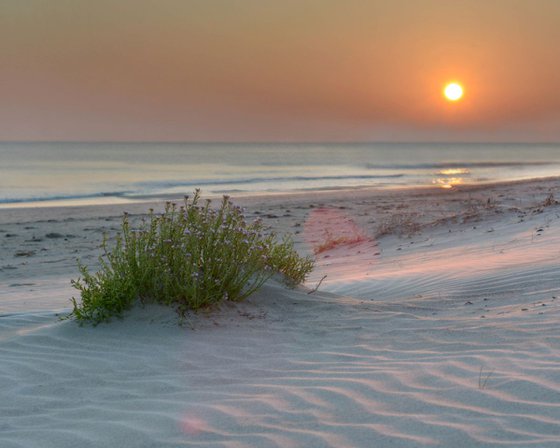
279, 70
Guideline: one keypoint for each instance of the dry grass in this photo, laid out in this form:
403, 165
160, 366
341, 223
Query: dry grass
330, 241
549, 201
476, 208
400, 224
483, 378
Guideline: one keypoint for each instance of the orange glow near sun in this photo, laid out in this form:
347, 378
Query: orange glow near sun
453, 91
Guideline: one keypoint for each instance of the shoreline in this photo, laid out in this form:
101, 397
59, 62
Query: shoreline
18, 211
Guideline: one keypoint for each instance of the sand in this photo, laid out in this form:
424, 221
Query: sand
436, 325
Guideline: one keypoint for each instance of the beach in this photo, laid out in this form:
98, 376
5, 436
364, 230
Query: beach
431, 319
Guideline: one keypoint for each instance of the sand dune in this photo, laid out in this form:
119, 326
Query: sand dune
449, 337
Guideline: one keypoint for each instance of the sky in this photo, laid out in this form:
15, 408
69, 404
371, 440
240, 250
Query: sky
279, 70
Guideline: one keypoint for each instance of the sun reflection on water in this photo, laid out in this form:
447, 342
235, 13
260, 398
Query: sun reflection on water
450, 177
447, 182
451, 171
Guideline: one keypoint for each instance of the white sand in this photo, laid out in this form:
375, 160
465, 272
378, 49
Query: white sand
449, 337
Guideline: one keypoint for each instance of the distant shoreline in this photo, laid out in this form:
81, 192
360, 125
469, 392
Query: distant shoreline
138, 200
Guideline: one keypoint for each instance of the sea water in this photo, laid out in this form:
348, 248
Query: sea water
47, 173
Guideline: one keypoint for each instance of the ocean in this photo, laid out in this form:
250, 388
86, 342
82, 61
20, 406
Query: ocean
35, 174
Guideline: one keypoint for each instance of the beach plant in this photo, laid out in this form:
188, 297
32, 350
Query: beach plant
188, 257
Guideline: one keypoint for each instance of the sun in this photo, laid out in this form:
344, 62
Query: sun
453, 91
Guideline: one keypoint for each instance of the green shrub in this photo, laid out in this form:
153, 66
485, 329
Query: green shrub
189, 257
